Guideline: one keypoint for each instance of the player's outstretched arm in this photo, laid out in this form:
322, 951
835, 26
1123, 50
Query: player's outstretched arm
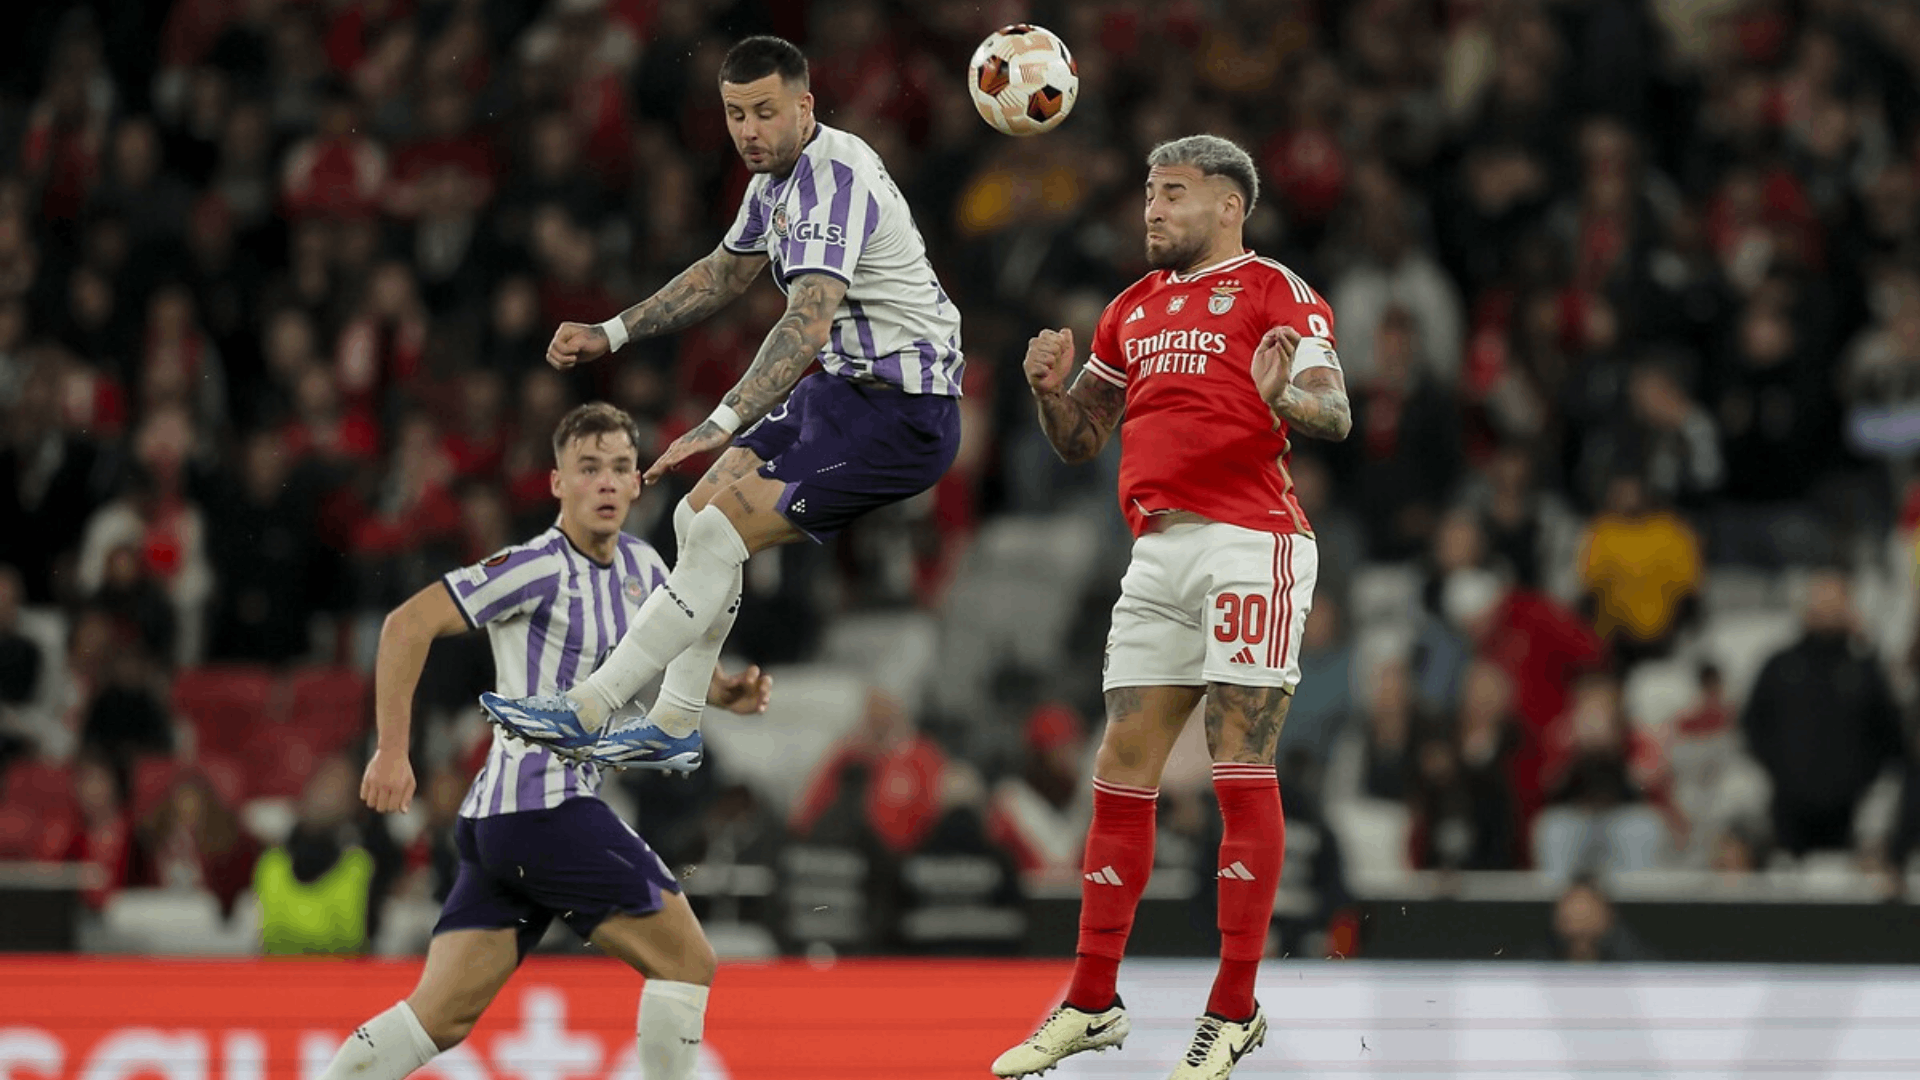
695, 294
405, 637
1313, 404
1079, 420
790, 346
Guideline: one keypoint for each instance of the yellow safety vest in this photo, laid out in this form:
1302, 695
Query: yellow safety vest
324, 916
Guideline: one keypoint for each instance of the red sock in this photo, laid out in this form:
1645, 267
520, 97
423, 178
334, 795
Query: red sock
1113, 874
1252, 847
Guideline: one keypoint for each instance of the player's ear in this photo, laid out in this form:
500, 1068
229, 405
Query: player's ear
553, 482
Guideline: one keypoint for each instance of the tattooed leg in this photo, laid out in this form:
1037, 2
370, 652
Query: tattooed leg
1142, 724
1244, 722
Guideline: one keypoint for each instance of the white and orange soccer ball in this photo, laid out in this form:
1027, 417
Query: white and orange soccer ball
1023, 80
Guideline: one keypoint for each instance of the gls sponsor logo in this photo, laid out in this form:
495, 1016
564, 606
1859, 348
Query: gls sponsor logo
811, 232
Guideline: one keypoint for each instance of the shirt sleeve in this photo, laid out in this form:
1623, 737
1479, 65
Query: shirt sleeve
748, 235
1106, 361
506, 584
1307, 312
835, 215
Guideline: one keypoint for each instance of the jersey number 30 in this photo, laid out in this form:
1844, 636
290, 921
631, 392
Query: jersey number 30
1243, 617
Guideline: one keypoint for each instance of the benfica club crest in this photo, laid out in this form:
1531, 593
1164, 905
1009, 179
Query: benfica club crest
1221, 301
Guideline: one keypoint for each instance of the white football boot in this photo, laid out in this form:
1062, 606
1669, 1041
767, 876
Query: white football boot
1066, 1031
1219, 1044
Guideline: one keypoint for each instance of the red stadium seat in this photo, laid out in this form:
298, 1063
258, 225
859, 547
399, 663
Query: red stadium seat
153, 777
278, 767
329, 704
225, 703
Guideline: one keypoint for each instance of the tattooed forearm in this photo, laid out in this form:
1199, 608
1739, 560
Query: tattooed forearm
698, 291
1079, 421
1244, 722
1322, 413
790, 346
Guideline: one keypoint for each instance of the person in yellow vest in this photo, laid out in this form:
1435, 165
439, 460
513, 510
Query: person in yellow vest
1641, 569
317, 889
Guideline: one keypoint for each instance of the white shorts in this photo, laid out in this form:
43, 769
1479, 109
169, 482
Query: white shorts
1210, 602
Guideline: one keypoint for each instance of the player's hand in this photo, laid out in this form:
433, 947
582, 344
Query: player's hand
746, 693
1049, 361
1273, 363
577, 343
387, 785
705, 438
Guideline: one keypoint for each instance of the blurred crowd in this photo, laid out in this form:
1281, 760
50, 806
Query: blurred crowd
1627, 294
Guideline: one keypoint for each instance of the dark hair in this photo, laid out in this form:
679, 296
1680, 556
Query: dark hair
757, 57
594, 418
1213, 156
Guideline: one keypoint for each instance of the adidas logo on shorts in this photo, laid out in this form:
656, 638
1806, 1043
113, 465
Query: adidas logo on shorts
1244, 656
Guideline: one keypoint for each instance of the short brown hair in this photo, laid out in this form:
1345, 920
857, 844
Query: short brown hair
594, 418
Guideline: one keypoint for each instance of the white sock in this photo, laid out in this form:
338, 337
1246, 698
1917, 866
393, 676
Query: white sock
387, 1047
672, 1016
671, 620
683, 693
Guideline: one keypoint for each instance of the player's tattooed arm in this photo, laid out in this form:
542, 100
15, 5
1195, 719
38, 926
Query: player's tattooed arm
1316, 404
1079, 421
790, 346
696, 293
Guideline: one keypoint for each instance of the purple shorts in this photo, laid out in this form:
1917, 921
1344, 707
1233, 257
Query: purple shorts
577, 860
846, 448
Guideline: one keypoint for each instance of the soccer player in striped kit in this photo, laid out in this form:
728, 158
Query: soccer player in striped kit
1216, 359
534, 838
879, 424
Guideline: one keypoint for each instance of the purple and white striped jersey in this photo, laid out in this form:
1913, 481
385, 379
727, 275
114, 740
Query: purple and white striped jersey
552, 615
839, 213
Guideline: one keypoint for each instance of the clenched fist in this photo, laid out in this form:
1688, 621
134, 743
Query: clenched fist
577, 343
1049, 361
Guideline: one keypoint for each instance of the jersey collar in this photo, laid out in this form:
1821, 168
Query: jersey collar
1238, 260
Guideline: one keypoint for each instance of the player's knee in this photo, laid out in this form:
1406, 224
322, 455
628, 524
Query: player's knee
683, 514
712, 532
700, 964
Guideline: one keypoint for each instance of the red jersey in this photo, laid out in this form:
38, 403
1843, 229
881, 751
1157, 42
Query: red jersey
1196, 435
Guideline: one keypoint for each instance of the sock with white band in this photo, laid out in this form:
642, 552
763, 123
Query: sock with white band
676, 616
672, 1018
387, 1047
683, 693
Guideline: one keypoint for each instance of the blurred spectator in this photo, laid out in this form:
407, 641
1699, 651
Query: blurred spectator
159, 519
262, 533
1642, 572
321, 890
1461, 802
1407, 443
20, 659
1393, 729
339, 171
1039, 814
1663, 436
1586, 929
1323, 703
127, 716
1529, 529
432, 859
1822, 721
883, 779
193, 840
51, 480
137, 604
1601, 776
1392, 273
104, 836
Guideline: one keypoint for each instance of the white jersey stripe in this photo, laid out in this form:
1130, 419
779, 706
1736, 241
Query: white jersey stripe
549, 625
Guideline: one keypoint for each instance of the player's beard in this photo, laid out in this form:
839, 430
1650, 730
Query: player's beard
1174, 254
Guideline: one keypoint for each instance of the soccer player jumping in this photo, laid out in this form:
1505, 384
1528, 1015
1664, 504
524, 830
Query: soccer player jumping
879, 425
1215, 359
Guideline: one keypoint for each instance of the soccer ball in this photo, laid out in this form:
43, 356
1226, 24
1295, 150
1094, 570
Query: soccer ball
1023, 80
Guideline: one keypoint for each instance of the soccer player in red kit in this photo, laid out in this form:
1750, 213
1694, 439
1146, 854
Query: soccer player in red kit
1216, 359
